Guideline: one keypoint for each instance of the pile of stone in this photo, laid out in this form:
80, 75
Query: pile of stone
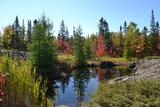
148, 69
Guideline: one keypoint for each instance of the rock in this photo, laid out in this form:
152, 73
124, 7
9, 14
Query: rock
118, 79
132, 65
147, 69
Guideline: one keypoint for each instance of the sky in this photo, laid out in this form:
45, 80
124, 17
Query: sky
81, 12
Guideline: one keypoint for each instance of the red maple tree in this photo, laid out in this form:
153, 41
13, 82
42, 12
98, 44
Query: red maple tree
100, 46
63, 45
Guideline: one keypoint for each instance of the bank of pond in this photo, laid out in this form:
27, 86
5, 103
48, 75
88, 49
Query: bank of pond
64, 86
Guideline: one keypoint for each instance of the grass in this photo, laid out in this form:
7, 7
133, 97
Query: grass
152, 57
140, 93
71, 59
119, 60
67, 58
23, 87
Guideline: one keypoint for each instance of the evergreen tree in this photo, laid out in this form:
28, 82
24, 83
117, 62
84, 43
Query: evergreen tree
79, 49
67, 34
16, 28
43, 52
120, 37
29, 31
108, 40
153, 22
101, 26
146, 44
62, 32
120, 29
22, 37
88, 52
157, 28
153, 34
125, 27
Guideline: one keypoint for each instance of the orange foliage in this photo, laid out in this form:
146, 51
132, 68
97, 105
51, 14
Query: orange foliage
100, 46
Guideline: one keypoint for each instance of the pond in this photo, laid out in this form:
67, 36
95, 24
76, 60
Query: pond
75, 89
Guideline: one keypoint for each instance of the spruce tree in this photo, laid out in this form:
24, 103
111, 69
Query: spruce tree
16, 28
157, 27
29, 31
22, 37
62, 32
146, 44
153, 34
153, 22
79, 49
120, 37
43, 52
125, 27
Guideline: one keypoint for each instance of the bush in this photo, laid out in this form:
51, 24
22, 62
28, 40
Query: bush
140, 93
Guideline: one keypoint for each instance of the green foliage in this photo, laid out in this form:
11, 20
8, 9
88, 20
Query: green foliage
23, 85
140, 93
43, 52
128, 53
79, 49
153, 41
7, 37
88, 51
131, 42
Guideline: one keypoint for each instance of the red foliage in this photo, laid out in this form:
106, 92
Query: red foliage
63, 45
110, 52
100, 46
2, 86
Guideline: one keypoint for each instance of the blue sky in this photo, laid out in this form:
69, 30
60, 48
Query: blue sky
81, 12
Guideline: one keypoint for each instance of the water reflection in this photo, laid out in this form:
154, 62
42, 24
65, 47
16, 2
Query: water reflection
74, 89
80, 82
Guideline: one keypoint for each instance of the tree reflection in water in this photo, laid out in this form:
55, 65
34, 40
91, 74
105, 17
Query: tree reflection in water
81, 78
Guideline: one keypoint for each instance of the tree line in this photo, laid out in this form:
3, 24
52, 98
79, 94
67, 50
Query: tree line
129, 42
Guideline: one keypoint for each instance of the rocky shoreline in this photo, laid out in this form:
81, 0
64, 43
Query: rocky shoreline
144, 69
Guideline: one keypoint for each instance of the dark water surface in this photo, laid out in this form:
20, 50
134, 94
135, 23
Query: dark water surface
74, 90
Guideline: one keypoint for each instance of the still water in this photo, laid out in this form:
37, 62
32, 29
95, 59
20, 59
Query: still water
75, 89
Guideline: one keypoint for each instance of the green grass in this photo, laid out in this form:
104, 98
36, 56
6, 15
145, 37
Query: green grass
140, 93
71, 59
23, 85
120, 60
152, 57
68, 58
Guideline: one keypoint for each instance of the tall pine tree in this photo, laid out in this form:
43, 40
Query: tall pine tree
16, 38
79, 47
153, 34
29, 31
125, 27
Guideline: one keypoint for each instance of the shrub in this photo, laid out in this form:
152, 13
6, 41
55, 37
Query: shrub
23, 85
140, 93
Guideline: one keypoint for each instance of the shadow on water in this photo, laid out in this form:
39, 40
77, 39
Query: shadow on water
74, 88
